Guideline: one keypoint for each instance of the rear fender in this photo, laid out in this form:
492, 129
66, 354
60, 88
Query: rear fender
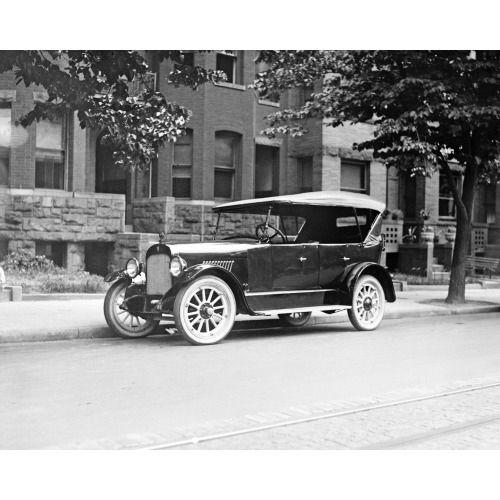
194, 272
375, 270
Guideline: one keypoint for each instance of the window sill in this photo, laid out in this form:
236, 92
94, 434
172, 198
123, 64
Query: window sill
49, 191
234, 86
269, 103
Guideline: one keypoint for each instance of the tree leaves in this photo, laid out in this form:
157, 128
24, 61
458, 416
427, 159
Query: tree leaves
423, 101
98, 86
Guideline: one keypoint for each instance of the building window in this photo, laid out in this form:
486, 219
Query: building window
52, 250
226, 62
5, 139
446, 202
410, 196
261, 67
486, 203
267, 159
305, 94
354, 177
97, 257
490, 203
226, 159
188, 60
306, 173
182, 166
110, 177
49, 168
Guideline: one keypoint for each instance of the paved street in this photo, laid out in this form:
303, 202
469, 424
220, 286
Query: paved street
113, 393
456, 421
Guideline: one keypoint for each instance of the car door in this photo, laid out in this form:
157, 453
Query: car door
333, 259
295, 266
342, 250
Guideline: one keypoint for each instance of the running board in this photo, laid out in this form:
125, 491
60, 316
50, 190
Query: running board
304, 309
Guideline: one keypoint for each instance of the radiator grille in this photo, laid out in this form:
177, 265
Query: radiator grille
158, 277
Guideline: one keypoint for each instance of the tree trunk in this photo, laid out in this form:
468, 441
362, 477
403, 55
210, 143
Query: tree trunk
456, 289
464, 204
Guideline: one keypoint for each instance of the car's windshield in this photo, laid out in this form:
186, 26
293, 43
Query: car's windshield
253, 224
240, 225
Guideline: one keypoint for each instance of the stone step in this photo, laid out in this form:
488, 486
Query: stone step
129, 228
437, 268
435, 260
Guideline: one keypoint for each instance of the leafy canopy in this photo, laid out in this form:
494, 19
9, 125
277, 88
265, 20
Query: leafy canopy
98, 86
428, 107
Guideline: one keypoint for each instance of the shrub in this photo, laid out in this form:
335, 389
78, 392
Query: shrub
38, 274
26, 263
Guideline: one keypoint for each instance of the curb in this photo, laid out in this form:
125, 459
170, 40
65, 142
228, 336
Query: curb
32, 297
103, 332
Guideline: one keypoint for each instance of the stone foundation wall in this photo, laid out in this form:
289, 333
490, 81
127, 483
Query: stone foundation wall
128, 245
153, 215
193, 222
28, 215
180, 222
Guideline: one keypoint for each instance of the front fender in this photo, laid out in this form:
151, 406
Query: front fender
117, 274
377, 271
194, 272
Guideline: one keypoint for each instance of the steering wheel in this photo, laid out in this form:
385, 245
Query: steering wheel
262, 232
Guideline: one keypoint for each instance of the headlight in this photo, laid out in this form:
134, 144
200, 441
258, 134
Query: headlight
132, 268
177, 265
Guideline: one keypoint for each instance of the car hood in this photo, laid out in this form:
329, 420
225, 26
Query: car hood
212, 248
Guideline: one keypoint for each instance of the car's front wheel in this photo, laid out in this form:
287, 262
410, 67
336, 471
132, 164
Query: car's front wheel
205, 310
368, 304
122, 322
294, 319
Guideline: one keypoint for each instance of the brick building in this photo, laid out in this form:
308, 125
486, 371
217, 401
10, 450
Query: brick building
62, 196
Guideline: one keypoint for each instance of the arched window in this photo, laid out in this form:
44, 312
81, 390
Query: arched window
227, 157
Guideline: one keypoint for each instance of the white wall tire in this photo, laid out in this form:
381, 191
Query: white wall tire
205, 310
294, 319
368, 304
122, 322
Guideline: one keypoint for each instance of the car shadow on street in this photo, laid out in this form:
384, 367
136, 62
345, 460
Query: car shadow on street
245, 334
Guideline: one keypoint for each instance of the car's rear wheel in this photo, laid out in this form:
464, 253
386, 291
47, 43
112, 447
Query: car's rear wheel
368, 304
122, 322
205, 310
294, 319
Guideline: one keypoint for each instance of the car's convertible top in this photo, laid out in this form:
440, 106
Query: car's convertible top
320, 198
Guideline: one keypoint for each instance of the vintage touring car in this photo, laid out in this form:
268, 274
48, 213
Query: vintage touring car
286, 255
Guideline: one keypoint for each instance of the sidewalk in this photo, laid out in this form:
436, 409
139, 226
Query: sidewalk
76, 317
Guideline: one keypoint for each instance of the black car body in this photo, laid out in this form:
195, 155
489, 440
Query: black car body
287, 255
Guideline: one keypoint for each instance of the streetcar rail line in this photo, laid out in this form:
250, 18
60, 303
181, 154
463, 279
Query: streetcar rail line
334, 414
425, 436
